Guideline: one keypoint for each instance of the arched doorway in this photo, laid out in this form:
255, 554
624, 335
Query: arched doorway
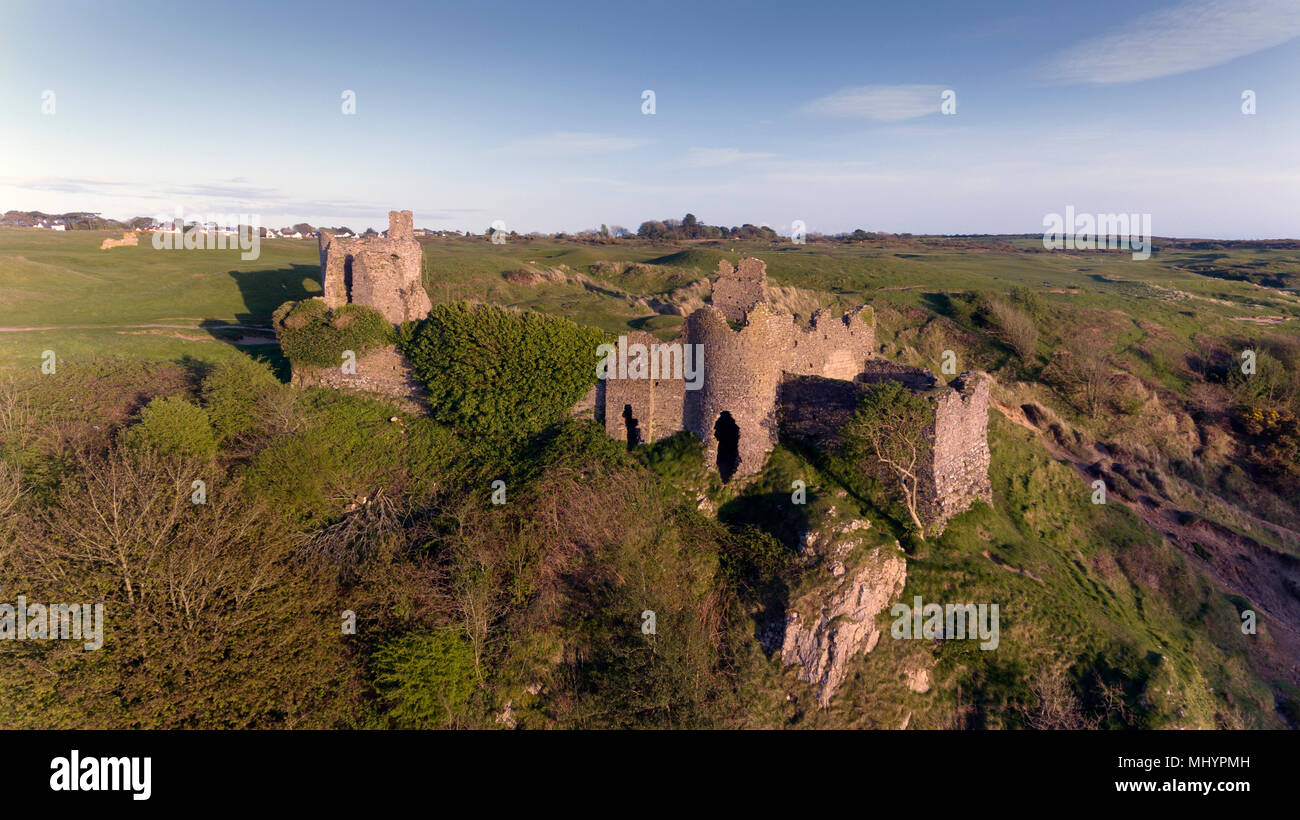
633, 429
727, 434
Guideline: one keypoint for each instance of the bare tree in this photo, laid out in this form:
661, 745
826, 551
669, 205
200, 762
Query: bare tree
890, 428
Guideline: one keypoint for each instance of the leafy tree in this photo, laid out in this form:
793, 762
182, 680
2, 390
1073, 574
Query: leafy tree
889, 428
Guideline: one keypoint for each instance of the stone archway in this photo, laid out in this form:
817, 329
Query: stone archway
632, 427
727, 434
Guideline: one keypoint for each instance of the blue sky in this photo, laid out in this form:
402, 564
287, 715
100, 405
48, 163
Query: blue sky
531, 113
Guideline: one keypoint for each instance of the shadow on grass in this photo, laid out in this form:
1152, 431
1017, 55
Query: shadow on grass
265, 290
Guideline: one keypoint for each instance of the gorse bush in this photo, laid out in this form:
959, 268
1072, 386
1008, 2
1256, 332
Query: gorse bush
172, 426
495, 371
311, 333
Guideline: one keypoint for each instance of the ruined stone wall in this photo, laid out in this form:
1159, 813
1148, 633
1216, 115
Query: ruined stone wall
913, 378
769, 375
655, 403
379, 272
739, 289
960, 472
813, 411
382, 371
836, 347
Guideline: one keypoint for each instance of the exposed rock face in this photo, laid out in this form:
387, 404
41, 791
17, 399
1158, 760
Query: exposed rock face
828, 625
918, 680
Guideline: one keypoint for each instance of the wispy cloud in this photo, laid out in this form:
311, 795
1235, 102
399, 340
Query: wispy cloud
572, 144
887, 103
715, 157
1186, 37
66, 185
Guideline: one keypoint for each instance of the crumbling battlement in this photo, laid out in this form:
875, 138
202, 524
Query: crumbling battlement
748, 346
836, 347
960, 470
738, 289
641, 410
736, 406
379, 272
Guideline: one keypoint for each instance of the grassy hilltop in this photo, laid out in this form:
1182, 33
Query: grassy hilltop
1124, 614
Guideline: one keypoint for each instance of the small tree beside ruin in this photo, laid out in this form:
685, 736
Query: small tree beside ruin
888, 434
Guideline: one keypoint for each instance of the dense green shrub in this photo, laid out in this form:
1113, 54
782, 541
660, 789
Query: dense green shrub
173, 426
495, 371
426, 678
311, 333
233, 394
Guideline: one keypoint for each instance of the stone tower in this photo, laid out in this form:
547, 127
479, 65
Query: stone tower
378, 272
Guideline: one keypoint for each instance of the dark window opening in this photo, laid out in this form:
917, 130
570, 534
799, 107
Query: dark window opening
347, 277
728, 436
633, 429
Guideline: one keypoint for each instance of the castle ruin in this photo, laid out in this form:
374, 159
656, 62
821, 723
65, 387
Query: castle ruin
763, 375
380, 272
383, 273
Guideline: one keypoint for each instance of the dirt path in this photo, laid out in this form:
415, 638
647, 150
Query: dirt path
247, 339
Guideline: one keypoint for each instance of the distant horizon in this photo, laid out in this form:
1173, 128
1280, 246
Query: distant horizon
381, 227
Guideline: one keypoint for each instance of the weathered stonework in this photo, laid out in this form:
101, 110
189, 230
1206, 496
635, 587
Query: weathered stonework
383, 371
380, 272
742, 370
763, 375
956, 471
738, 289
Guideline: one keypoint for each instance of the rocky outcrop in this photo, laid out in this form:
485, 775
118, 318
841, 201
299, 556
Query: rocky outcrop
834, 621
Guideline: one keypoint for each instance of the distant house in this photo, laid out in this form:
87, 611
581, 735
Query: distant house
58, 226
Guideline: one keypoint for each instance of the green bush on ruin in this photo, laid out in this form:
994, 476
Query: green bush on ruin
311, 333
